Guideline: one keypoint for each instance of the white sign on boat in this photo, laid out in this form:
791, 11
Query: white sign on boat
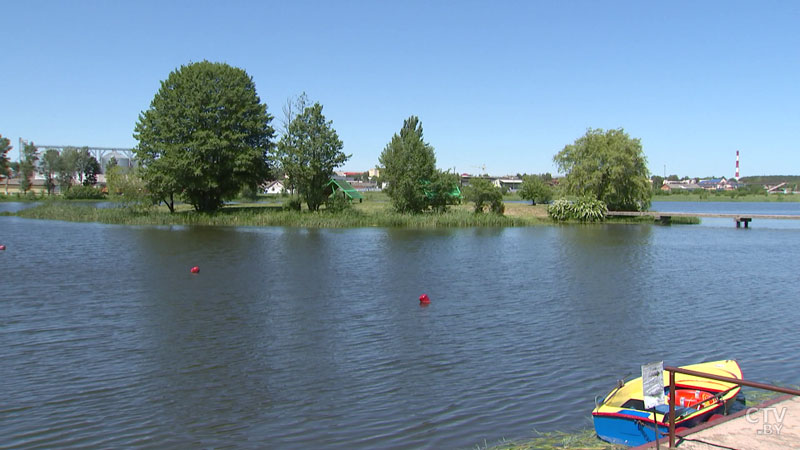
653, 384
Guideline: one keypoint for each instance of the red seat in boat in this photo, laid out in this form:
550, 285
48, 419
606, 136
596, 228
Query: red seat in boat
694, 398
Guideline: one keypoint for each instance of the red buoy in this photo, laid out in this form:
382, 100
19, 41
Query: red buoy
2, 247
424, 299
195, 269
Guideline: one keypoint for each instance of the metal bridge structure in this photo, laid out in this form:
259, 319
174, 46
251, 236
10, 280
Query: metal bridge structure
125, 156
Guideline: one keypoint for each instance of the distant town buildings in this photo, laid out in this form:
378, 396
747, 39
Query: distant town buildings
711, 184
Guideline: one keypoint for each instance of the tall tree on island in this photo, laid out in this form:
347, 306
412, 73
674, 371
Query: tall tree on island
535, 189
90, 171
308, 152
291, 109
409, 162
48, 168
30, 155
66, 168
5, 162
84, 164
609, 166
204, 137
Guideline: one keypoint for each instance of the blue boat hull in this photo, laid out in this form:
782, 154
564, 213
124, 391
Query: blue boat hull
619, 430
634, 432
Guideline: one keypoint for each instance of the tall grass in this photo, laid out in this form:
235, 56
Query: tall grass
675, 220
270, 216
368, 214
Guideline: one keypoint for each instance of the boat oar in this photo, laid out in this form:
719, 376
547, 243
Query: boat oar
718, 397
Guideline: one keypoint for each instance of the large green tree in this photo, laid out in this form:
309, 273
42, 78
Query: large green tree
30, 155
535, 189
409, 164
443, 191
83, 164
204, 137
5, 162
48, 166
66, 168
5, 147
90, 171
309, 151
609, 166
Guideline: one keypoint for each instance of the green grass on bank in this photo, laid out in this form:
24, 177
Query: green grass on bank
584, 439
273, 215
587, 439
376, 213
677, 220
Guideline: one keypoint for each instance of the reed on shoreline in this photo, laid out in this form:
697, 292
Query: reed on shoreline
271, 215
367, 214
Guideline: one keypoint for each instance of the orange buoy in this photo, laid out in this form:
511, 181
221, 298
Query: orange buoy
195, 269
424, 299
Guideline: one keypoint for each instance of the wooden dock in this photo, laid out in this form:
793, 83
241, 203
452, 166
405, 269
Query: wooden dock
666, 217
771, 425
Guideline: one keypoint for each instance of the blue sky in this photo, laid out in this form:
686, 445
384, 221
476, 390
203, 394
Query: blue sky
505, 84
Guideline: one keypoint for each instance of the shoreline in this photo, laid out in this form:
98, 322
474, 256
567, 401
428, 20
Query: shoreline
369, 214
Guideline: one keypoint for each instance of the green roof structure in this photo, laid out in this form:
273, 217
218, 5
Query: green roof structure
455, 192
335, 186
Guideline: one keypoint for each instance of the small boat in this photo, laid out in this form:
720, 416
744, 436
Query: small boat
622, 419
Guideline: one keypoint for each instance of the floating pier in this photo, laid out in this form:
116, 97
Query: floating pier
666, 217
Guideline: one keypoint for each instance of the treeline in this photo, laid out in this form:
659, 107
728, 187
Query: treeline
206, 137
771, 179
72, 166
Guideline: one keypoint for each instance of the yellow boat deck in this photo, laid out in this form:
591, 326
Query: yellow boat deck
633, 388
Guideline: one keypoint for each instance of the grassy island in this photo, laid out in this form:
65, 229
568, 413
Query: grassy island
375, 211
367, 214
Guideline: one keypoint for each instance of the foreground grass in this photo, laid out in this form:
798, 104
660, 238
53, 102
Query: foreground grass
584, 439
587, 439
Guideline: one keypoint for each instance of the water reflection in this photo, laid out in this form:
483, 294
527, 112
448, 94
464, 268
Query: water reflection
315, 338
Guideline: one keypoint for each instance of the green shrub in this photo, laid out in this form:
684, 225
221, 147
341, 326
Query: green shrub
585, 209
292, 204
498, 207
560, 210
588, 209
483, 193
338, 203
249, 193
81, 192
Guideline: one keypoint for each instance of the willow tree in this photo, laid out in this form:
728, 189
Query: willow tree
609, 166
204, 137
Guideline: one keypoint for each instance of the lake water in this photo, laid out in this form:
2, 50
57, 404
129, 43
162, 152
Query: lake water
767, 208
295, 338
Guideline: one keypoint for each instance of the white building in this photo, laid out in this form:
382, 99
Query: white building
274, 187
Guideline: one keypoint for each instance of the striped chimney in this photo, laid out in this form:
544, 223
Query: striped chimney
737, 165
